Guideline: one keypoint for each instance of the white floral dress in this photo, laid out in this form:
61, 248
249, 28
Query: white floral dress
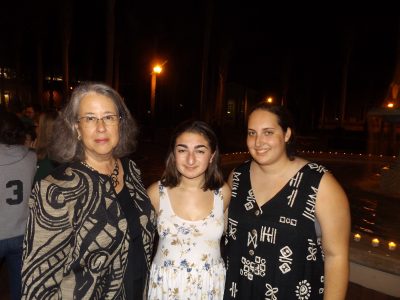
188, 263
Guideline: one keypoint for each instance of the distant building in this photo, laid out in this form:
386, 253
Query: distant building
384, 131
14, 92
18, 91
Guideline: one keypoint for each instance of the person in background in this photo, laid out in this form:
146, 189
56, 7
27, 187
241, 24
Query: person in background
30, 136
91, 224
28, 115
288, 222
29, 118
44, 131
17, 169
190, 201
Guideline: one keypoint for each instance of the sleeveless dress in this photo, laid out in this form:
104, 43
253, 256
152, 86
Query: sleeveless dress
273, 251
188, 262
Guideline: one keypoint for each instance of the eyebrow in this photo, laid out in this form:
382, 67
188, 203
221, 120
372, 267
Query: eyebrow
196, 147
105, 113
262, 129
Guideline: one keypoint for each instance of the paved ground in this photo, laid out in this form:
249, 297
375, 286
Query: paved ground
355, 291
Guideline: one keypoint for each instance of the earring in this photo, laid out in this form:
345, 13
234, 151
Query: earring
79, 137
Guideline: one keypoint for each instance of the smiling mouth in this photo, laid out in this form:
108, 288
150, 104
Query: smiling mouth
101, 140
190, 168
261, 151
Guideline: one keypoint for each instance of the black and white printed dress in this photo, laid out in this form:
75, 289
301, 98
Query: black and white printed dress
273, 251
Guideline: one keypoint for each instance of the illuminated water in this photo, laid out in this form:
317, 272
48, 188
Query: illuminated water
372, 210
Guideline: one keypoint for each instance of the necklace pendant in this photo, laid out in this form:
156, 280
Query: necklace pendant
113, 175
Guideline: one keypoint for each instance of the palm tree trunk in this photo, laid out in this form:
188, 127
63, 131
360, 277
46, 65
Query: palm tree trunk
110, 36
65, 47
348, 46
206, 54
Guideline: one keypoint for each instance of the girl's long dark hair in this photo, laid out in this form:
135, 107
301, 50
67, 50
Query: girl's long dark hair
213, 177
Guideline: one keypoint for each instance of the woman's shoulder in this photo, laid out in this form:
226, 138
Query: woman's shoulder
242, 166
311, 171
154, 187
153, 191
317, 167
31, 154
302, 163
47, 162
225, 191
64, 173
62, 184
30, 159
130, 165
225, 188
60, 169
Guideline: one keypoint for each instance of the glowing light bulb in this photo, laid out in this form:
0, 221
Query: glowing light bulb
357, 237
375, 242
392, 246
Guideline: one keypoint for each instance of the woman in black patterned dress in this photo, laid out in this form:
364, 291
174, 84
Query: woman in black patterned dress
289, 221
91, 224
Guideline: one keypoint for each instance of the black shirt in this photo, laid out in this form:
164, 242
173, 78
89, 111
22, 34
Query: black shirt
135, 270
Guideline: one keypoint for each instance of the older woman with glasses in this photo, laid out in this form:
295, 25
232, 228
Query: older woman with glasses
91, 225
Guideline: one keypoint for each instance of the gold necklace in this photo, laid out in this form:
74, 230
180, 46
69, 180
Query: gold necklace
113, 175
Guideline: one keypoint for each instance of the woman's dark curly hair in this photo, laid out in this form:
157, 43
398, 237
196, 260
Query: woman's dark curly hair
12, 129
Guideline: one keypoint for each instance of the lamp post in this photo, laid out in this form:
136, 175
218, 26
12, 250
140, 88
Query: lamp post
156, 70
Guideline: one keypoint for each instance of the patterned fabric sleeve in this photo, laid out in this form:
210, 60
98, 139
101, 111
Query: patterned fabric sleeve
46, 244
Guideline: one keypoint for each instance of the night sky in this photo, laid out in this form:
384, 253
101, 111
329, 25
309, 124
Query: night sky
298, 56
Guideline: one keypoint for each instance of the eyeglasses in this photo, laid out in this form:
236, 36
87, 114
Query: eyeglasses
91, 121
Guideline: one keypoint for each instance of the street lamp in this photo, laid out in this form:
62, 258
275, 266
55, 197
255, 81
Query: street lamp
156, 70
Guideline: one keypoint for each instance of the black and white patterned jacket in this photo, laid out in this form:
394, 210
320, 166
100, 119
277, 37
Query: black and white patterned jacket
76, 243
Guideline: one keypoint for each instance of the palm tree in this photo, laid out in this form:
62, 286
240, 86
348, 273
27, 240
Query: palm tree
67, 23
110, 37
